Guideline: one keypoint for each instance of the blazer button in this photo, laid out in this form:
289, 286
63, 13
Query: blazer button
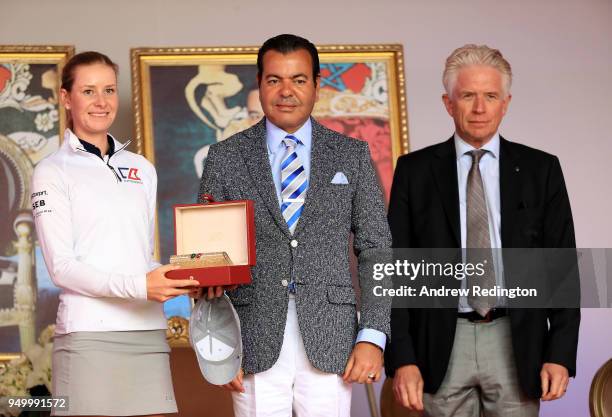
284, 282
294, 243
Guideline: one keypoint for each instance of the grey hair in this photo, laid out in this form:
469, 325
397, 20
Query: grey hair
471, 54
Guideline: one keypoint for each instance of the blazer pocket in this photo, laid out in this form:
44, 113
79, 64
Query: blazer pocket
338, 199
339, 190
242, 296
341, 295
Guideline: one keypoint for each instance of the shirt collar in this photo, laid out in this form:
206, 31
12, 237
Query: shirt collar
95, 150
492, 146
275, 136
75, 143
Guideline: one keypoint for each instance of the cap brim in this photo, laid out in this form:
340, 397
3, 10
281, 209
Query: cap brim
216, 323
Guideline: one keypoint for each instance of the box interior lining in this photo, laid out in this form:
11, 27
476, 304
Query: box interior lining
215, 228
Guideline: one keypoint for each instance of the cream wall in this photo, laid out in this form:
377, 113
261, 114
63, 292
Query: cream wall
559, 49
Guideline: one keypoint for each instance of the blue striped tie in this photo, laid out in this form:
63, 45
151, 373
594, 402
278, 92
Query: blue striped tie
294, 184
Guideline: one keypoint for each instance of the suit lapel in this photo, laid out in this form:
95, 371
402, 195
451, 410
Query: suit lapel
321, 171
444, 168
257, 161
509, 188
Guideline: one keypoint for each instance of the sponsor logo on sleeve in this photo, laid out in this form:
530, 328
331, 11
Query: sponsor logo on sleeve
39, 206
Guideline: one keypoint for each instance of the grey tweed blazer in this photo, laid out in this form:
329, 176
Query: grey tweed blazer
239, 168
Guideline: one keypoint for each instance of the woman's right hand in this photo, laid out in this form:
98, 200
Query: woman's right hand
160, 288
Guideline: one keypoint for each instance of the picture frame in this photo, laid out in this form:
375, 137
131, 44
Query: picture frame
185, 99
31, 127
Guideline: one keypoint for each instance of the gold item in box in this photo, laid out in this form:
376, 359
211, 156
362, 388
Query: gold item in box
201, 260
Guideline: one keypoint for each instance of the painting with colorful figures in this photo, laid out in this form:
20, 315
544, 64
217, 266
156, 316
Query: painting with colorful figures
31, 122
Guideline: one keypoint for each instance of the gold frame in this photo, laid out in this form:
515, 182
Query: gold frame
143, 58
177, 333
602, 378
41, 54
37, 54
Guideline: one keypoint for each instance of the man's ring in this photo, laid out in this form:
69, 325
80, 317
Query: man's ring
371, 375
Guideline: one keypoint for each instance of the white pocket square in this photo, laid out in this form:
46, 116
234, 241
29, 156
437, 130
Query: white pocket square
339, 178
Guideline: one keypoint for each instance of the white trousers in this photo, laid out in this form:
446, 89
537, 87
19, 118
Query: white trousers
293, 384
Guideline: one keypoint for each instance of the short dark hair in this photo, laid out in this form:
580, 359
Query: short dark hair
84, 58
285, 44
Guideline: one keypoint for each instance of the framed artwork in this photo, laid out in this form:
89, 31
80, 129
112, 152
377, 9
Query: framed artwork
31, 125
186, 99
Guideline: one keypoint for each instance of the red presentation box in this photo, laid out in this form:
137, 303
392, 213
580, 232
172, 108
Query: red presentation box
227, 226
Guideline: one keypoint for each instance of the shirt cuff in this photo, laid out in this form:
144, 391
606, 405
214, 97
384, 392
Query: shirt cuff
372, 336
153, 264
141, 285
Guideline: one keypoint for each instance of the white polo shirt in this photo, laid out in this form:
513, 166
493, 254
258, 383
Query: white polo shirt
95, 223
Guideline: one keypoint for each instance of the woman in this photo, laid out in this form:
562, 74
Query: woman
94, 206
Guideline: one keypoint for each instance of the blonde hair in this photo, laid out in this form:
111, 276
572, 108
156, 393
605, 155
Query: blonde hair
471, 54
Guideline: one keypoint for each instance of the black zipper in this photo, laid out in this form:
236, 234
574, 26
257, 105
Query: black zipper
114, 172
125, 145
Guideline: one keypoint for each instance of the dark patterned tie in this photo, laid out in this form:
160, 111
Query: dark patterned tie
478, 237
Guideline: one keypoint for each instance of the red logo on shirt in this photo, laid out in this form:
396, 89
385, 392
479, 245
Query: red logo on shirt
129, 174
133, 174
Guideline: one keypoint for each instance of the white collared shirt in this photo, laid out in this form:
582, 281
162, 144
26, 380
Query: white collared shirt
277, 150
95, 224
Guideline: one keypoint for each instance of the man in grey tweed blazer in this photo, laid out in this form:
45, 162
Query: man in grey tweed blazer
302, 343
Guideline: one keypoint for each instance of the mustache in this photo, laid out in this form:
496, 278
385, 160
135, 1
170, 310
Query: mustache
288, 101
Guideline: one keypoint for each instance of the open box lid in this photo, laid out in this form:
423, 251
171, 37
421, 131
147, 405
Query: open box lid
227, 226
